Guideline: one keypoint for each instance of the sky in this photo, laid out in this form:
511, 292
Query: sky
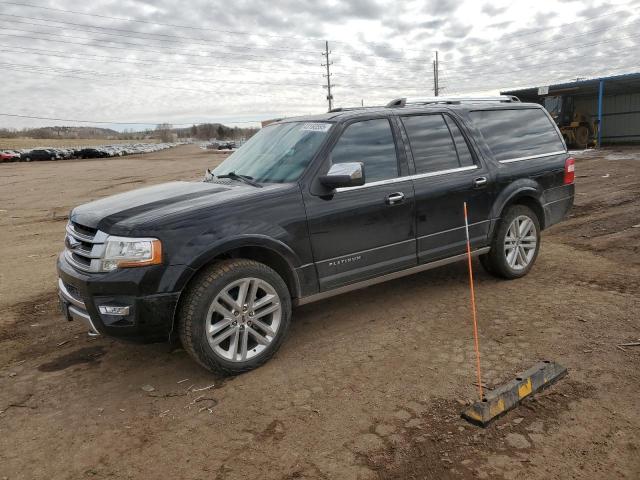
138, 63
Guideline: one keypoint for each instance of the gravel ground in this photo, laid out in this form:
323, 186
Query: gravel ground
369, 385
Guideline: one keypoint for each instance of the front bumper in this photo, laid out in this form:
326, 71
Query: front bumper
150, 314
74, 308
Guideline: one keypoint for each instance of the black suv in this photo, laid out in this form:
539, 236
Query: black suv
312, 207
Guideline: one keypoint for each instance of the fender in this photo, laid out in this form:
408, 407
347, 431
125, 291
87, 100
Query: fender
239, 241
524, 187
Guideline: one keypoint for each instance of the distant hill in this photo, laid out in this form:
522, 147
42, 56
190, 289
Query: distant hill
64, 133
165, 131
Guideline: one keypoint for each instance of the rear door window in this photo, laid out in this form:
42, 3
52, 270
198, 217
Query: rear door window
370, 142
464, 154
431, 139
517, 133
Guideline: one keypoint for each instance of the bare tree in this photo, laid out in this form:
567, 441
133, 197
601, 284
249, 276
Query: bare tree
164, 132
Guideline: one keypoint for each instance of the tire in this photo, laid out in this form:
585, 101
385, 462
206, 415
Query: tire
204, 307
27, 159
500, 261
582, 136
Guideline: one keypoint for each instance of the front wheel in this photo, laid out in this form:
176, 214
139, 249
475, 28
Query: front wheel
515, 244
235, 316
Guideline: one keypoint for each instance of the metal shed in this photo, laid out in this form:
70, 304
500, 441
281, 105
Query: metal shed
613, 101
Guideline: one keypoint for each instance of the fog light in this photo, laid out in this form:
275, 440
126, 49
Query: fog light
113, 310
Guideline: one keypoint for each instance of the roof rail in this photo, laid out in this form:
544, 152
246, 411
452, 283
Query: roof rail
401, 102
348, 109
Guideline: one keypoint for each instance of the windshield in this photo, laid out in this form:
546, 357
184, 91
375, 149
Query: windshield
277, 153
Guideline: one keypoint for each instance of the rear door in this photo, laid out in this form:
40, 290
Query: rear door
362, 232
447, 173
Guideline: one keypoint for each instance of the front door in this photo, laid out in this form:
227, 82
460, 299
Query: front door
363, 232
447, 174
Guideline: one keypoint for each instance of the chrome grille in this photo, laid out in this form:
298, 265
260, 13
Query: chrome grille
84, 247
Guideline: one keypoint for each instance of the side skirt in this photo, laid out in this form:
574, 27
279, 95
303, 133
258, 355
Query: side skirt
389, 276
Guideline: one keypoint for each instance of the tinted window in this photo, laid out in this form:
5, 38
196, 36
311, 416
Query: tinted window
431, 143
517, 133
370, 142
464, 154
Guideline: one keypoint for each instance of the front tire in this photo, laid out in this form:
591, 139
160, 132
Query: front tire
515, 244
235, 316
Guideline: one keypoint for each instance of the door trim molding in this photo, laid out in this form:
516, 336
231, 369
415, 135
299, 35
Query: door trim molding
352, 254
383, 278
409, 177
451, 229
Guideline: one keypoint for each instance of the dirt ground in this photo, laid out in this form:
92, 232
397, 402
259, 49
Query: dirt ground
369, 385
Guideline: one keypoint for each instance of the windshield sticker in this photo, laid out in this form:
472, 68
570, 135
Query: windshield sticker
316, 127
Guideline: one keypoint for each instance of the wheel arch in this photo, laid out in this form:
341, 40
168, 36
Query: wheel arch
273, 253
528, 195
269, 251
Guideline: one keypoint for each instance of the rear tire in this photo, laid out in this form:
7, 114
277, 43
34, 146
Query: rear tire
515, 244
235, 316
582, 136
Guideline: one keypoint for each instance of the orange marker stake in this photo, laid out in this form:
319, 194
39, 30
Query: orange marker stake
473, 303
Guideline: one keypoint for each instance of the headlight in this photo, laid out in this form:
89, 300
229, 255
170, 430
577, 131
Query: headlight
122, 252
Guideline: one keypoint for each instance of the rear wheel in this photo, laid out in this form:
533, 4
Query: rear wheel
582, 136
235, 316
515, 244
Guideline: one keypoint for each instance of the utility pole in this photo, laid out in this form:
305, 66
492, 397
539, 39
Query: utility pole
435, 76
328, 75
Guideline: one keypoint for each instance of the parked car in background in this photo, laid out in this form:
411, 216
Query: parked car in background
97, 151
38, 155
9, 156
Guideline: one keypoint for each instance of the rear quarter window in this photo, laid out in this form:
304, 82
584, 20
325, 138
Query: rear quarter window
515, 133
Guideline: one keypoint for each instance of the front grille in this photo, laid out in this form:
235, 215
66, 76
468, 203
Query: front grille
81, 229
84, 247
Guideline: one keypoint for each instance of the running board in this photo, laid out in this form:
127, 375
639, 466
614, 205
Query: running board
389, 276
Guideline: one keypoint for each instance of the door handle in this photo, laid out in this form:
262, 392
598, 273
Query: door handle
394, 198
480, 182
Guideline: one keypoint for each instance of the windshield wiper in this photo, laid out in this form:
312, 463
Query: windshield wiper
244, 178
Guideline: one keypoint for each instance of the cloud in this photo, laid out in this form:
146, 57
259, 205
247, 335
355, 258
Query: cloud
215, 59
492, 10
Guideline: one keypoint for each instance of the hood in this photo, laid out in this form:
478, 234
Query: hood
148, 205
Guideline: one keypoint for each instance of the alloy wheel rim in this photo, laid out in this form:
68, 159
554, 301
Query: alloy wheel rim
243, 319
520, 242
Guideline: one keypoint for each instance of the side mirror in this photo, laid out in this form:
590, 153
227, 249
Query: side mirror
349, 174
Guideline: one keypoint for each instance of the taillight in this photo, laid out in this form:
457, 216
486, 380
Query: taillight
569, 171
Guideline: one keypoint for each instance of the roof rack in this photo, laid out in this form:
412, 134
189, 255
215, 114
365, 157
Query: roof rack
402, 102
348, 109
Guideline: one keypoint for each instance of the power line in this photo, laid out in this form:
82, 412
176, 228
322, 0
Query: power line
189, 27
153, 77
555, 42
208, 41
145, 62
246, 57
564, 25
493, 64
139, 37
148, 22
173, 87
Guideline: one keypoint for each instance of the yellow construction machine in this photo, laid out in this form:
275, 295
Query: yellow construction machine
577, 128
